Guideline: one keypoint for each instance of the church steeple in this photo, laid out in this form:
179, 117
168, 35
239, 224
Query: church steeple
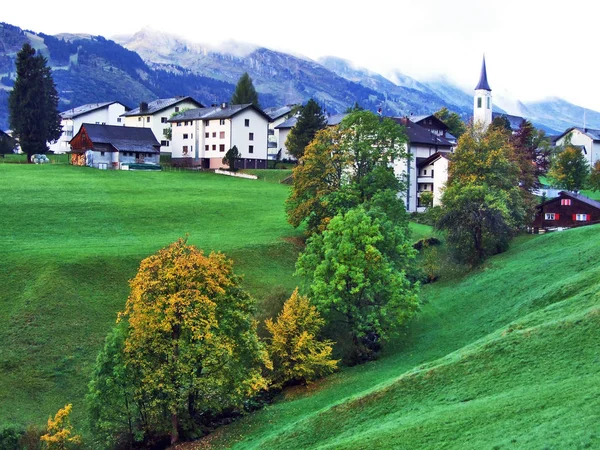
482, 101
483, 82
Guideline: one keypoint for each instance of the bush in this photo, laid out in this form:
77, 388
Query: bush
10, 436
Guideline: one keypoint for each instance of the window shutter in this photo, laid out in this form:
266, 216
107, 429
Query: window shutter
588, 217
574, 216
556, 216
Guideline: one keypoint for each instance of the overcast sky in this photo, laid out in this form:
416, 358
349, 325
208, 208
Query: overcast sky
534, 49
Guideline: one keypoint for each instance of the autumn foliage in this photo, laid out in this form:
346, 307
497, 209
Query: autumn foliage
59, 434
295, 350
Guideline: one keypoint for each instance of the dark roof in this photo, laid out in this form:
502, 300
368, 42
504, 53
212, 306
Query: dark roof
84, 109
426, 161
589, 132
483, 82
216, 112
419, 135
129, 139
159, 105
514, 121
581, 198
275, 112
422, 120
288, 123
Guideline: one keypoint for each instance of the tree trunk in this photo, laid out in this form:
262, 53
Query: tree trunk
174, 432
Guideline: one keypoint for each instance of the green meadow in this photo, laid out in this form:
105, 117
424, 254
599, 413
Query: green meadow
72, 237
504, 357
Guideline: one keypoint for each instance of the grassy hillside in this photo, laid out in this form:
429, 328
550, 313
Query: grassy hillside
507, 357
71, 237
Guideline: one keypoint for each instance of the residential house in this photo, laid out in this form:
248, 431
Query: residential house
112, 147
155, 115
107, 113
587, 139
567, 210
278, 115
202, 136
435, 125
7, 143
423, 173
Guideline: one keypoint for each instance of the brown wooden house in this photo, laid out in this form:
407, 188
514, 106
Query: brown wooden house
568, 210
111, 147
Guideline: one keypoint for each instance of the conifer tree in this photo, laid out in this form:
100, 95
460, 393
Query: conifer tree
245, 92
310, 120
33, 103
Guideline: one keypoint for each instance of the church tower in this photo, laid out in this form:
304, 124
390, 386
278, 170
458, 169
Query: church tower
482, 103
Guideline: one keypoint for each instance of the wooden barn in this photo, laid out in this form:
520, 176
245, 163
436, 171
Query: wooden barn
568, 210
112, 147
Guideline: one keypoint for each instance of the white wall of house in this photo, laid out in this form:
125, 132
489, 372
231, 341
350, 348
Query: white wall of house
275, 136
249, 134
109, 115
282, 135
578, 138
157, 122
440, 177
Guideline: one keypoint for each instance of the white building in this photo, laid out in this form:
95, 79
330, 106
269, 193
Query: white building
155, 115
482, 101
587, 139
278, 115
107, 113
202, 136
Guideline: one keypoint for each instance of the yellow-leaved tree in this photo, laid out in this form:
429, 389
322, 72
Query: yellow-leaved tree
59, 434
191, 342
296, 352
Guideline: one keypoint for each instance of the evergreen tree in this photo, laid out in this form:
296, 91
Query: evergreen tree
232, 155
452, 120
310, 120
33, 103
245, 92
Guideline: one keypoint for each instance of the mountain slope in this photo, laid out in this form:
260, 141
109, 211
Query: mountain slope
487, 364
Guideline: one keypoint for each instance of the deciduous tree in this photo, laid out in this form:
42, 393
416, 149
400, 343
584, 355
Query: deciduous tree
452, 120
59, 434
191, 342
294, 347
355, 273
310, 120
569, 169
33, 103
245, 92
594, 180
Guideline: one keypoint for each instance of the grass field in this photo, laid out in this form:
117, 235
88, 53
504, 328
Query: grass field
506, 357
72, 237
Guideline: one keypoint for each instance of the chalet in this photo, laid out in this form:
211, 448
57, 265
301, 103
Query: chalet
434, 125
107, 113
586, 139
112, 147
566, 211
155, 115
202, 136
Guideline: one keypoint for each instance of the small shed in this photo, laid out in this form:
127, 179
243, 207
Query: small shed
111, 146
568, 210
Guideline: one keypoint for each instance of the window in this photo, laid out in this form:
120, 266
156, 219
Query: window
101, 153
565, 202
214, 147
251, 149
164, 143
488, 102
207, 135
185, 149
148, 119
118, 120
221, 147
222, 135
177, 109
551, 216
581, 217
479, 102
214, 134
206, 123
222, 122
178, 124
139, 119
163, 120
251, 136
246, 122
425, 172
185, 135
206, 147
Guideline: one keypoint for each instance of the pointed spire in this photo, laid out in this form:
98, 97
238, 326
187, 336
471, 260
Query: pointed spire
483, 82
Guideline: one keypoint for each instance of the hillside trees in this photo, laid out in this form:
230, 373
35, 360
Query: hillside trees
33, 103
569, 169
345, 166
245, 92
190, 345
483, 204
310, 120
